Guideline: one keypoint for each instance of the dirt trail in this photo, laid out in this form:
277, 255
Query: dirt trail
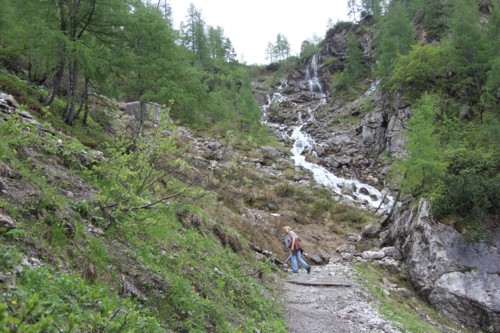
343, 309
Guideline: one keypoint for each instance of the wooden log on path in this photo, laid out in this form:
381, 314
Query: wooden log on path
320, 283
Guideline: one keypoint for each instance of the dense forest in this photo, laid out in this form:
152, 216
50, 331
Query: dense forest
127, 50
57, 58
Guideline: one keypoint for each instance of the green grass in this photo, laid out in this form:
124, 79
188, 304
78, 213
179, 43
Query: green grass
193, 282
45, 300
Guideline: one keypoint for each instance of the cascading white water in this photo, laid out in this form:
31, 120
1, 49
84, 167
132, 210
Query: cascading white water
348, 189
361, 193
312, 76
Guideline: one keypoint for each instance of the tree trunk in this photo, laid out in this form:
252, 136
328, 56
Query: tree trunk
69, 114
85, 102
56, 81
58, 75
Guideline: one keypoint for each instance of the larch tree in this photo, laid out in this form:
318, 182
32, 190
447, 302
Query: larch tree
355, 67
270, 52
372, 7
220, 47
71, 21
193, 34
468, 51
147, 39
491, 90
6, 15
436, 18
282, 47
353, 9
425, 165
395, 37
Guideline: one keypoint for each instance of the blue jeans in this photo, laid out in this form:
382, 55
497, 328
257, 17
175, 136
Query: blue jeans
295, 257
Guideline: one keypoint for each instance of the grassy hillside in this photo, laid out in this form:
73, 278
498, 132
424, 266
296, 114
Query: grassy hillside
118, 233
92, 251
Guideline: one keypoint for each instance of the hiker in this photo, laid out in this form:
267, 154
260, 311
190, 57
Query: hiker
292, 242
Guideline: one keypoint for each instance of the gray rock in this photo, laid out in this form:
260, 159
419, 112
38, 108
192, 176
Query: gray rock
373, 255
370, 230
459, 278
270, 151
6, 222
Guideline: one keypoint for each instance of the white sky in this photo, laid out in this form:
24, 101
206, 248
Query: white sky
252, 24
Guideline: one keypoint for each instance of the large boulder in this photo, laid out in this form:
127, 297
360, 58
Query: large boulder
460, 278
152, 111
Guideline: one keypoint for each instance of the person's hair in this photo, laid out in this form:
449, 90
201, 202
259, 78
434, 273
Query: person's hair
286, 229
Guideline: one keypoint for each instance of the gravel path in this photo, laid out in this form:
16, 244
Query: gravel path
343, 309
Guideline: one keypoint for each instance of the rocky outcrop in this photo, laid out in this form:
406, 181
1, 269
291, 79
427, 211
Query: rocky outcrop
152, 111
350, 136
458, 277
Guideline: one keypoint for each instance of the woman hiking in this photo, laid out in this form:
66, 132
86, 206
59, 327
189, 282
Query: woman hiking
292, 242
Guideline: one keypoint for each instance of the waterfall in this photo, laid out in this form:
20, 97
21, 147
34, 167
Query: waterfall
350, 190
312, 75
363, 194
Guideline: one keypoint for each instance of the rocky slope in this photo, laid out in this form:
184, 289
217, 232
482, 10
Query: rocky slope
350, 139
309, 308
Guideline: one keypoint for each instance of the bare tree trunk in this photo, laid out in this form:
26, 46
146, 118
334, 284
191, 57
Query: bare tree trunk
56, 81
385, 223
86, 103
58, 75
69, 114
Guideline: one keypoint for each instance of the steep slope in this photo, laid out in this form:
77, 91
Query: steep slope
209, 259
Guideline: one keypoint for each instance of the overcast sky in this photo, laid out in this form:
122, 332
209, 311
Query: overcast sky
252, 24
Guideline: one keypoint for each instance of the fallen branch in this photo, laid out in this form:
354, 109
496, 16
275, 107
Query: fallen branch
381, 202
319, 284
385, 223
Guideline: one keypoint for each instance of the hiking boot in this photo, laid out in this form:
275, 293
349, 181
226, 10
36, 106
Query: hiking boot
308, 269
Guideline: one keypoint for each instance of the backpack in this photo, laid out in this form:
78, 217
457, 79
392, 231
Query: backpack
297, 245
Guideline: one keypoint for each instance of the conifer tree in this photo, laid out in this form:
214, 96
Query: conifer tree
220, 47
467, 49
436, 18
270, 52
424, 167
193, 34
281, 48
6, 15
491, 89
352, 9
65, 25
394, 37
355, 68
371, 7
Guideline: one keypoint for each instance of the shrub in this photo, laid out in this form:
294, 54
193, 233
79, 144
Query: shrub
469, 198
421, 70
339, 26
285, 190
46, 301
473, 161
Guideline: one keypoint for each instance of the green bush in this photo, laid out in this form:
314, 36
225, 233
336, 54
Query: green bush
285, 190
421, 70
473, 161
469, 197
46, 301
